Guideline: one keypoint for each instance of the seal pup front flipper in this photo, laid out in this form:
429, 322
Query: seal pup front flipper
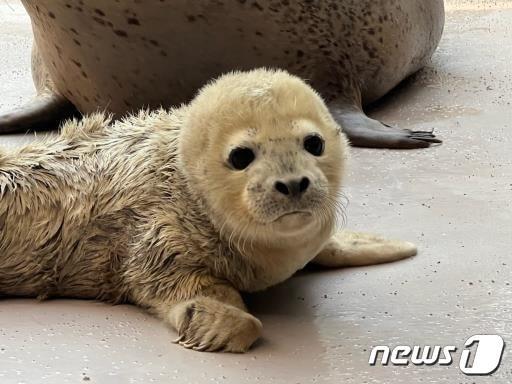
215, 320
352, 249
363, 131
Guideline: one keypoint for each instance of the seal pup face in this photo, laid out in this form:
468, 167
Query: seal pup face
265, 155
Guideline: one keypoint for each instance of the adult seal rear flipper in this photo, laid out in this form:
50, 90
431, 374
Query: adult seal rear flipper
44, 112
363, 131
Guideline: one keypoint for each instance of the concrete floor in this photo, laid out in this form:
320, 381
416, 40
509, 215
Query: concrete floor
454, 201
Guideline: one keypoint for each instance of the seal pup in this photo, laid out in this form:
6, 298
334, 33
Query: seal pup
121, 57
178, 211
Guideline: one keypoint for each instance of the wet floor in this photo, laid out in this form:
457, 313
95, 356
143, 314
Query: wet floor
454, 201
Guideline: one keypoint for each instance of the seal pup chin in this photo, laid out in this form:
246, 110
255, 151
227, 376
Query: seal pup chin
179, 211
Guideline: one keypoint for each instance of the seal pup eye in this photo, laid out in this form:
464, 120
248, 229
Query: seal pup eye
314, 144
240, 158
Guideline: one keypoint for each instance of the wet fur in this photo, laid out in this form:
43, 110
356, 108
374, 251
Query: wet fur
144, 210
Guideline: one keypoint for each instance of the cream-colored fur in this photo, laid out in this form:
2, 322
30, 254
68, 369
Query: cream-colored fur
352, 249
148, 210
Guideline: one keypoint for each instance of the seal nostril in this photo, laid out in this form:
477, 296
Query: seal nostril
304, 184
294, 188
282, 188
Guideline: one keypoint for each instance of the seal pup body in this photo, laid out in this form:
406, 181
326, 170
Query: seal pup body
119, 57
178, 211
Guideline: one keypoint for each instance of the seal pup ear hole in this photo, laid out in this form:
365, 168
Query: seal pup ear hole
314, 144
241, 157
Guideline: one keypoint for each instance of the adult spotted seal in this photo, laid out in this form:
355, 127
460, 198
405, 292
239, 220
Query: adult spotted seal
120, 56
178, 211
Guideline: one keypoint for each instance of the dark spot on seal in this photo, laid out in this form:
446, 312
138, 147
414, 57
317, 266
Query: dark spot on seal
84, 75
191, 18
133, 21
120, 32
74, 31
77, 42
51, 14
257, 6
154, 42
99, 12
77, 63
99, 20
163, 53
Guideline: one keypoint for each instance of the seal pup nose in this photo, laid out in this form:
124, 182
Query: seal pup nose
295, 187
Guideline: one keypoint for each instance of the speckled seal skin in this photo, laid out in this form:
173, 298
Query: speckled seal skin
123, 55
178, 211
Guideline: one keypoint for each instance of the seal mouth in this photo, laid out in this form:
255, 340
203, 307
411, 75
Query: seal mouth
301, 214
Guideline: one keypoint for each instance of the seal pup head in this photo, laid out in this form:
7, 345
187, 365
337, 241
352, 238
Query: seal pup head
262, 151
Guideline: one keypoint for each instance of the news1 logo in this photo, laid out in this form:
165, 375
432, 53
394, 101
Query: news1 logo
481, 355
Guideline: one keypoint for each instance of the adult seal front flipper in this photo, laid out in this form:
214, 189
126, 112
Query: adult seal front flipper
45, 112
